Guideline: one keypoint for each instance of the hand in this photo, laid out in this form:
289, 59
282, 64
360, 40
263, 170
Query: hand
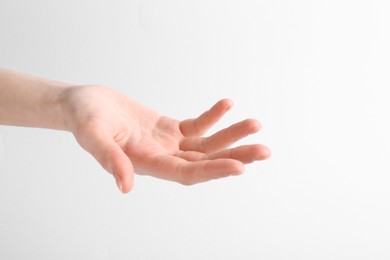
125, 136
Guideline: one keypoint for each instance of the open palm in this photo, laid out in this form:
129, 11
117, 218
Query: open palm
124, 136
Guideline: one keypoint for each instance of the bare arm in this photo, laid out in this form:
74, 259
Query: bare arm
30, 101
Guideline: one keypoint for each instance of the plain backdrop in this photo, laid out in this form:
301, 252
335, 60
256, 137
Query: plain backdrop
314, 72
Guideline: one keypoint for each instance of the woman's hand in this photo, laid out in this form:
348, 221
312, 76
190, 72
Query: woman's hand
125, 136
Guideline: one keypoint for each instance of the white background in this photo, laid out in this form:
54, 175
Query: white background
315, 73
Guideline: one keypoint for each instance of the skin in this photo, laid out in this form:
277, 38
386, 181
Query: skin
124, 136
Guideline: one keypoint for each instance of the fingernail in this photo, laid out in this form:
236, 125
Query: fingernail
119, 184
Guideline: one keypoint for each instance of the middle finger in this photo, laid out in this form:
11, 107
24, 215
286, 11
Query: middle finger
221, 139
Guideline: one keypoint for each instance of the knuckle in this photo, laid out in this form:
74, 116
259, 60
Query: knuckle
185, 181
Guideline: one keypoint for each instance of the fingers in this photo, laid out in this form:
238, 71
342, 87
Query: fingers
221, 139
179, 170
198, 126
244, 154
202, 171
191, 156
111, 157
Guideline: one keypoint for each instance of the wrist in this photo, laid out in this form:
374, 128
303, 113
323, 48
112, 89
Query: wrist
53, 103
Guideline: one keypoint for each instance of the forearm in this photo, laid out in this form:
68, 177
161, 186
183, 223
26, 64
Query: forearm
30, 101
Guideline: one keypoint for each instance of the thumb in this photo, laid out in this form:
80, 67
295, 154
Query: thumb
119, 165
111, 157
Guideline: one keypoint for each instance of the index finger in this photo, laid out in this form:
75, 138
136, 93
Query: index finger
198, 126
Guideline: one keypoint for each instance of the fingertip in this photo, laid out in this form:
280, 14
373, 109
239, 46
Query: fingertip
124, 177
227, 103
124, 183
128, 183
267, 153
253, 125
237, 167
261, 152
123, 171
